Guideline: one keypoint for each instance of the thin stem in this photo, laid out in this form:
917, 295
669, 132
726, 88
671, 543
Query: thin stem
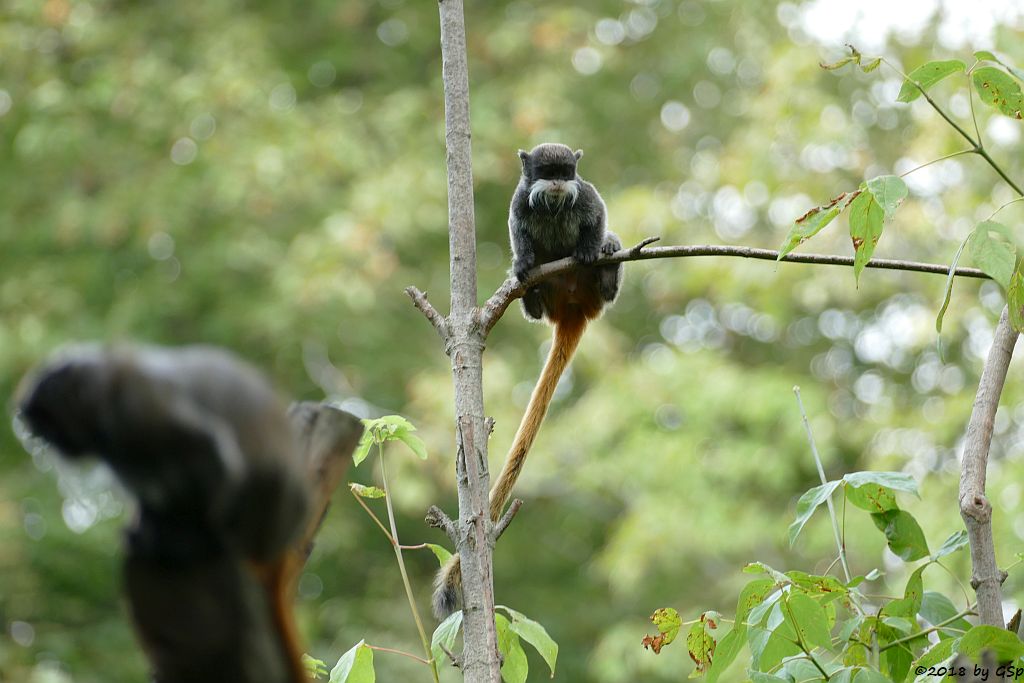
935, 161
963, 588
970, 98
984, 155
935, 106
800, 642
821, 474
1012, 201
420, 546
399, 652
925, 632
401, 567
374, 517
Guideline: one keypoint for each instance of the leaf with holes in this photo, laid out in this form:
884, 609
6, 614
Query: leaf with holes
366, 491
926, 76
998, 90
701, 646
903, 534
812, 222
866, 220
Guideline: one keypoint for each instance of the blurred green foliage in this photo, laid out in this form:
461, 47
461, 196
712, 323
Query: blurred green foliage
269, 176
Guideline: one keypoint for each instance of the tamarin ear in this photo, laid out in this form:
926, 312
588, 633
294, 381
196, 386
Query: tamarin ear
523, 157
578, 154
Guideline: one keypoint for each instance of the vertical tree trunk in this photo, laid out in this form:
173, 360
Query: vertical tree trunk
986, 577
465, 347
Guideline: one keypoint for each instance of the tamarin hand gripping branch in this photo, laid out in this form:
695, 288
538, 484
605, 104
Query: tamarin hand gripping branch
202, 442
554, 214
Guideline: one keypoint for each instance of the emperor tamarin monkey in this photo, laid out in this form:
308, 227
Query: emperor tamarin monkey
202, 442
554, 214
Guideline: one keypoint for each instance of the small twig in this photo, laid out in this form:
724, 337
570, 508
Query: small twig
635, 251
921, 634
821, 474
419, 299
489, 425
506, 519
398, 652
456, 662
439, 520
375, 518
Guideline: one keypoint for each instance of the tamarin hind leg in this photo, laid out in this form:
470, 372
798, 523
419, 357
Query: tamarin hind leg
610, 276
533, 304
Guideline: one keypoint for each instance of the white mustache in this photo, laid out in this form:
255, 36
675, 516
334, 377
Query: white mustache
544, 191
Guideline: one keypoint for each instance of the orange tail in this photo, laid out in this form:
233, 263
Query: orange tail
280, 586
568, 332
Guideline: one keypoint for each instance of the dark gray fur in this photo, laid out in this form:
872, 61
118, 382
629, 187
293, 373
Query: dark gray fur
547, 232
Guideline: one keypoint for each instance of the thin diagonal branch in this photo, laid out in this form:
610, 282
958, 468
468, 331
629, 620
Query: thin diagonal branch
440, 323
512, 289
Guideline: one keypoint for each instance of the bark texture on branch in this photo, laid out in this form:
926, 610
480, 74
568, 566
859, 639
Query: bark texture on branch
975, 508
465, 343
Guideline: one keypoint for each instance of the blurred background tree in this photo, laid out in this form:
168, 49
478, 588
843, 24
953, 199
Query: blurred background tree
269, 176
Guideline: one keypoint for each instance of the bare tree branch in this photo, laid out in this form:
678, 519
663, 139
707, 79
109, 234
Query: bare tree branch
511, 289
440, 323
975, 509
507, 518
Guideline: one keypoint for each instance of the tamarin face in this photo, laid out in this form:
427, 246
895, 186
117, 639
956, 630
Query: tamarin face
549, 170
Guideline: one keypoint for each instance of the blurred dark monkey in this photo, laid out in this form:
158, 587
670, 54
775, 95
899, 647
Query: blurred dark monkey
204, 445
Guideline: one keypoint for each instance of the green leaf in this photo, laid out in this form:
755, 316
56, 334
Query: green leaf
761, 677
366, 491
762, 568
868, 67
889, 191
949, 286
809, 619
1005, 645
871, 497
769, 648
752, 595
1015, 298
757, 614
440, 552
725, 653
700, 645
870, 676
985, 55
445, 634
866, 220
926, 76
802, 670
806, 506
903, 534
936, 608
315, 668
997, 89
668, 622
535, 634
414, 442
899, 481
812, 222
355, 666
938, 652
816, 584
996, 257
366, 441
515, 667
838, 64
956, 541
909, 605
